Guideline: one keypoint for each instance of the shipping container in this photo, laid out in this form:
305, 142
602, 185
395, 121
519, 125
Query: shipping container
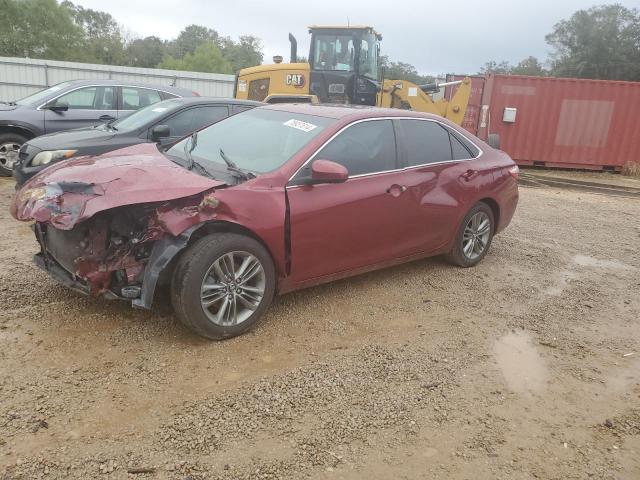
563, 122
20, 77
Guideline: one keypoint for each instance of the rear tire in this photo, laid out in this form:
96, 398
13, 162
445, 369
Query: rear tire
474, 237
222, 285
10, 143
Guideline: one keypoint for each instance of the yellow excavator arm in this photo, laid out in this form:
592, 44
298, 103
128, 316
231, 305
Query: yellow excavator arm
409, 96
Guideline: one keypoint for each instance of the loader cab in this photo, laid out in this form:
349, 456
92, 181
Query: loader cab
344, 64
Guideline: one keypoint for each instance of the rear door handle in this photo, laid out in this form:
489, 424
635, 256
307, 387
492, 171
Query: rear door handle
396, 190
469, 174
106, 118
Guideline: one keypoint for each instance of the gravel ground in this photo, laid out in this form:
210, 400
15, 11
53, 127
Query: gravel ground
525, 367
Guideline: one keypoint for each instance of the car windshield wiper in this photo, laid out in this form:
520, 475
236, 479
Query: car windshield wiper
232, 167
189, 146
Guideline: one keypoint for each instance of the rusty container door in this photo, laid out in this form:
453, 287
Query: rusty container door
563, 122
472, 115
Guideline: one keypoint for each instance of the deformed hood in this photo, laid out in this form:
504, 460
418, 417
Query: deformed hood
70, 139
74, 190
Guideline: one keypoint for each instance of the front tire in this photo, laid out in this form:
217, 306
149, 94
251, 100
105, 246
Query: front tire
10, 143
222, 285
474, 237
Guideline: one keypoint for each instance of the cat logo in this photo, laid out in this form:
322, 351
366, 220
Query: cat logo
295, 79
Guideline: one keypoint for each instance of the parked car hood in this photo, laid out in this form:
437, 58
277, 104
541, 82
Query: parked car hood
74, 190
73, 138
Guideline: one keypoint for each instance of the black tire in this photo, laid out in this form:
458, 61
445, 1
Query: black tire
190, 272
9, 138
457, 256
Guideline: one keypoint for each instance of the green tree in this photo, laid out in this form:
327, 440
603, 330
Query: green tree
402, 71
206, 58
530, 66
103, 42
502, 68
145, 52
602, 42
190, 39
39, 29
245, 53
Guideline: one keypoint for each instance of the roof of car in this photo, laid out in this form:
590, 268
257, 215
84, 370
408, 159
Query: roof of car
346, 111
222, 100
166, 88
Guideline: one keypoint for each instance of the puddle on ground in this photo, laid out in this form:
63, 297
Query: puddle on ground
522, 366
586, 261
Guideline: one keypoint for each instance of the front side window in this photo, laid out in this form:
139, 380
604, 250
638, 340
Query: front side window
88, 98
193, 119
334, 52
259, 140
134, 98
366, 147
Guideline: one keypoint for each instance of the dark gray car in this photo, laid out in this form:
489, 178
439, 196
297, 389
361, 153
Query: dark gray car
75, 104
163, 123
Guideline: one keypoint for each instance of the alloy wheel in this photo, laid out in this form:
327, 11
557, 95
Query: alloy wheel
476, 235
9, 154
232, 288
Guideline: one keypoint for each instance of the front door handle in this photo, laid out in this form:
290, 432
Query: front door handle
106, 118
469, 175
396, 190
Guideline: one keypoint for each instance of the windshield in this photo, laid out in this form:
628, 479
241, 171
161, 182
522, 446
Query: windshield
43, 94
333, 52
146, 115
258, 140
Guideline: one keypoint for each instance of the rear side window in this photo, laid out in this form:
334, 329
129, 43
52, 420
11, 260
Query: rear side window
425, 142
134, 98
366, 147
192, 119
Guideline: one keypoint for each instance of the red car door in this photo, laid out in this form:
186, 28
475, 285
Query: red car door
367, 220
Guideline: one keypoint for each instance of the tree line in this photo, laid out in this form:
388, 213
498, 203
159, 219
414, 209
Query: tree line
602, 42
64, 31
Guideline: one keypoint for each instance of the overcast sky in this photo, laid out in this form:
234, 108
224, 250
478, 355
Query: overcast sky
447, 36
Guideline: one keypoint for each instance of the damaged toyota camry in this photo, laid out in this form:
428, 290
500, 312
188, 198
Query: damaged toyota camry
266, 202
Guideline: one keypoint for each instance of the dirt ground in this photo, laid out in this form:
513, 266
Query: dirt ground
526, 367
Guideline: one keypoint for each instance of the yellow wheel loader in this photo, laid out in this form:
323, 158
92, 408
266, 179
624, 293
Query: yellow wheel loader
343, 69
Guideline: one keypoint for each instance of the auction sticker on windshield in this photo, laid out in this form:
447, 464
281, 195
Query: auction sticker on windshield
300, 125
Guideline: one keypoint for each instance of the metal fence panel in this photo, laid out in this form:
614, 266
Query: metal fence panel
20, 77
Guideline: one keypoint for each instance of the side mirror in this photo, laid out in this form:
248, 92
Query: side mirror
160, 131
326, 171
57, 107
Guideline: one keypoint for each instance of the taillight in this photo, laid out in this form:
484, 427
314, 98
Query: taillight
514, 172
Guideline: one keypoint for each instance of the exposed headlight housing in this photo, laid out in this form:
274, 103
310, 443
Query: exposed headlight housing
48, 156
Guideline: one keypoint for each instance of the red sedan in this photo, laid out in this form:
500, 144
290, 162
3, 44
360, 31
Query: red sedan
265, 202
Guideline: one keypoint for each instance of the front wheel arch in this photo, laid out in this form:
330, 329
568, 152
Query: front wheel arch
209, 228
